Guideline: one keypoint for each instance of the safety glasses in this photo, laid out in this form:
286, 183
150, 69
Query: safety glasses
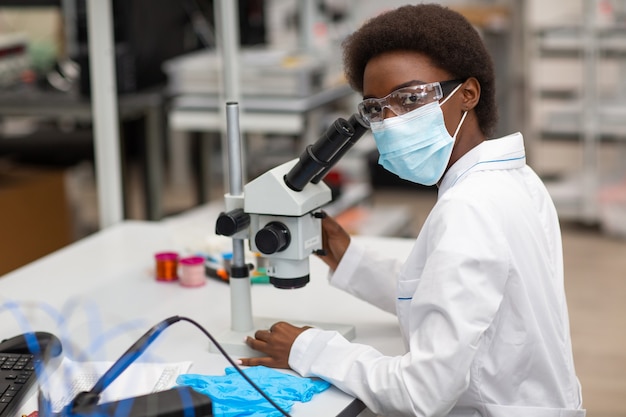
405, 99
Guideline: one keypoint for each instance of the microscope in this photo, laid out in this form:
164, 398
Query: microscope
280, 215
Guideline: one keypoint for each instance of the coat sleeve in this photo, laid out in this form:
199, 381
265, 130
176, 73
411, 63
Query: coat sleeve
362, 269
448, 306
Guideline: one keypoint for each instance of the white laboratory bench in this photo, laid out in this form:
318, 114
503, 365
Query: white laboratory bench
106, 282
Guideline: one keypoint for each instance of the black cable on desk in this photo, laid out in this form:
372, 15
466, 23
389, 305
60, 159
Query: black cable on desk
230, 360
91, 397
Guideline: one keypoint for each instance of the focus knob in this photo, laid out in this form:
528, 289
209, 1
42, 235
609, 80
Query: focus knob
274, 237
232, 222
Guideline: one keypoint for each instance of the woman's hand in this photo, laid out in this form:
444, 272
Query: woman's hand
275, 343
335, 241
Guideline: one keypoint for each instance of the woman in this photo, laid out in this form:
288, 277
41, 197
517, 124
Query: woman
480, 299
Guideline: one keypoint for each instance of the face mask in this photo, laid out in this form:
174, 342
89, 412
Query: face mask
416, 146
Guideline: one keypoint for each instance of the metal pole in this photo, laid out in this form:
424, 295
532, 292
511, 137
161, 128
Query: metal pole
307, 15
68, 8
229, 42
227, 35
234, 149
240, 294
590, 113
104, 110
228, 46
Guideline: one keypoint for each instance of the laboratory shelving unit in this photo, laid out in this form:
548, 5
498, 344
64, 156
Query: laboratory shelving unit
578, 93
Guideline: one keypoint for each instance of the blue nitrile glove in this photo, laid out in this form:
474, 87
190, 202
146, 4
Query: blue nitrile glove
233, 396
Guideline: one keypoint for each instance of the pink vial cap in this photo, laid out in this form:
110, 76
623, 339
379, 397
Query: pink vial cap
192, 260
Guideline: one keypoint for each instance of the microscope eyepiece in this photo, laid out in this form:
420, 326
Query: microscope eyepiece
360, 126
318, 156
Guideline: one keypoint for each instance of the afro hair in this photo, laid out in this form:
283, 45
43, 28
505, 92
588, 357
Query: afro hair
442, 34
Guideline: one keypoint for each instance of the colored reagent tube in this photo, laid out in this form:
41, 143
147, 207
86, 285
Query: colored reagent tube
192, 271
166, 266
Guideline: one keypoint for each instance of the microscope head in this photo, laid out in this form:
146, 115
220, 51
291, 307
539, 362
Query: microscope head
285, 225
280, 210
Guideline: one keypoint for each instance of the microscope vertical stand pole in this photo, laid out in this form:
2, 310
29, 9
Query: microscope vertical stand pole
240, 294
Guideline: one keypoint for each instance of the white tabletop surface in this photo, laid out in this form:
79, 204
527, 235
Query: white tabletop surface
99, 295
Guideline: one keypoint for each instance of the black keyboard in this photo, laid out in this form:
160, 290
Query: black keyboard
17, 376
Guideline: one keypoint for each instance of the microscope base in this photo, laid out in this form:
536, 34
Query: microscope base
233, 341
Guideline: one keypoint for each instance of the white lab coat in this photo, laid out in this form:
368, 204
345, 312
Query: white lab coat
480, 301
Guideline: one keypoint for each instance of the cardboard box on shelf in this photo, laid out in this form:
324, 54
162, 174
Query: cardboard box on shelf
35, 215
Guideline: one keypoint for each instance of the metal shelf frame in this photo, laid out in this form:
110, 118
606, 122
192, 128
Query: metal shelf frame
592, 111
